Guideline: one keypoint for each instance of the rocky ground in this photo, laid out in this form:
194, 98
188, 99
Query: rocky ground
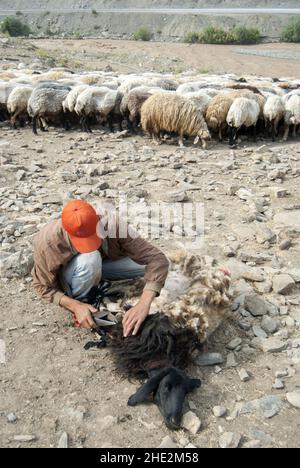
251, 387
51, 388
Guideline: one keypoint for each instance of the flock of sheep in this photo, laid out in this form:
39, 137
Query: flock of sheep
198, 107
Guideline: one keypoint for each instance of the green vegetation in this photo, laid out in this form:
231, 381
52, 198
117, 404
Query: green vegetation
42, 54
291, 32
192, 38
95, 12
142, 34
213, 35
244, 35
14, 27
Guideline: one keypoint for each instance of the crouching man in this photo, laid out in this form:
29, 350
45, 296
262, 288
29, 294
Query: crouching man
71, 258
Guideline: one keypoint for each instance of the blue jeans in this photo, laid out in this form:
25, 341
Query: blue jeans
87, 270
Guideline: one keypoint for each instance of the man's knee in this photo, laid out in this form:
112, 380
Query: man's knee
89, 262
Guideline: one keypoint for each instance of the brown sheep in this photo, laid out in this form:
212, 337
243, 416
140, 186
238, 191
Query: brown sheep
219, 106
173, 113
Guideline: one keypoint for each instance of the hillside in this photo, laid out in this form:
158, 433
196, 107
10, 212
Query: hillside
29, 4
78, 19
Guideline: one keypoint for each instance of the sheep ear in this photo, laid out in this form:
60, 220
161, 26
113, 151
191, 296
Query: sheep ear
196, 140
145, 390
192, 384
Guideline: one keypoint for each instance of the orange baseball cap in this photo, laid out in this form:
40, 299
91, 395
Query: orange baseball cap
80, 221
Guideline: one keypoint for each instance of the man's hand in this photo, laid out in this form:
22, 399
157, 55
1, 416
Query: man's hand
83, 315
136, 315
82, 312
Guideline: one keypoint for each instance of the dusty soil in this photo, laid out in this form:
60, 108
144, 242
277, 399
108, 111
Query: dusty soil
132, 56
50, 383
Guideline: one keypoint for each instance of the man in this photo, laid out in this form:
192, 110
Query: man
70, 258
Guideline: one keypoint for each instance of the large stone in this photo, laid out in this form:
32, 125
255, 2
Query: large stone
269, 325
210, 359
294, 399
191, 422
16, 265
256, 305
234, 343
174, 197
272, 345
282, 284
230, 440
266, 403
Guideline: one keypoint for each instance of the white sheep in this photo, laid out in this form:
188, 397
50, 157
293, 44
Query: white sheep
274, 111
293, 109
200, 99
71, 99
17, 103
98, 102
46, 103
243, 112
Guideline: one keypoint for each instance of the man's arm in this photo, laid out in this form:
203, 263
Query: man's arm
157, 267
144, 253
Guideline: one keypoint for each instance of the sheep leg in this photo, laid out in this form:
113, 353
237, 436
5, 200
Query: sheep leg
286, 133
119, 122
255, 133
294, 131
266, 128
180, 141
221, 131
232, 136
130, 125
34, 125
110, 124
42, 127
88, 125
13, 120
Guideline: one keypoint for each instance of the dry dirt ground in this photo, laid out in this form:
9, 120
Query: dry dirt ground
51, 385
277, 60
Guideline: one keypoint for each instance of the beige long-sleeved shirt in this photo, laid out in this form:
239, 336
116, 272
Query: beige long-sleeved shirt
53, 250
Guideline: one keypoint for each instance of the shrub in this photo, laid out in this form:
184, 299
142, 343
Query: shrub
19, 13
212, 35
142, 34
14, 27
244, 35
192, 37
95, 12
291, 33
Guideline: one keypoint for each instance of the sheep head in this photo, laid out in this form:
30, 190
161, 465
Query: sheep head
169, 387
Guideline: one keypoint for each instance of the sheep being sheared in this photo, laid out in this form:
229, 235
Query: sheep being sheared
167, 339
